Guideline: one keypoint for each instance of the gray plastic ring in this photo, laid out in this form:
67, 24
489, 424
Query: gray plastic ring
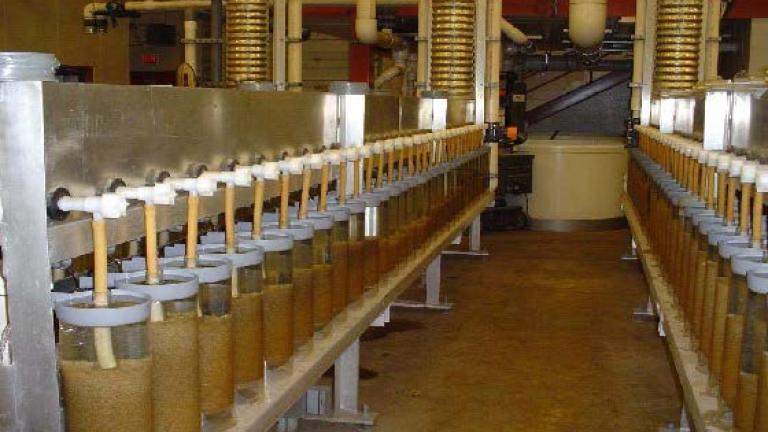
371, 199
714, 237
711, 223
176, 285
299, 230
757, 279
735, 246
271, 241
210, 268
68, 311
246, 255
746, 261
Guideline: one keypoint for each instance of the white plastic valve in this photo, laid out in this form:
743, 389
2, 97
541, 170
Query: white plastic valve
106, 206
377, 147
734, 167
748, 172
352, 154
365, 151
332, 157
761, 179
203, 186
314, 160
723, 162
160, 194
703, 155
409, 141
712, 158
292, 165
398, 143
241, 176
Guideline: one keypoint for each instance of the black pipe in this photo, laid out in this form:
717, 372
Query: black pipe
544, 62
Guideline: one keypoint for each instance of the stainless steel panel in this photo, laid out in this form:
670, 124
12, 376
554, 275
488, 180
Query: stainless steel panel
96, 133
667, 107
476, 112
685, 106
715, 131
460, 111
748, 117
23, 236
415, 113
382, 115
7, 403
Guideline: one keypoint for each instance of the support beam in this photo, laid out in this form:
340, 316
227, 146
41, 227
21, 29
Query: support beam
577, 96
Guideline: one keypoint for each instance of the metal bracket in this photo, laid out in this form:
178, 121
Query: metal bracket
645, 312
432, 288
474, 242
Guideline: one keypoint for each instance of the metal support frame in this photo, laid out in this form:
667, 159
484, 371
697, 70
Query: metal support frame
475, 248
278, 43
480, 59
24, 239
432, 281
649, 62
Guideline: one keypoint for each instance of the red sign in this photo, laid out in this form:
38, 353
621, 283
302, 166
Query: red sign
150, 59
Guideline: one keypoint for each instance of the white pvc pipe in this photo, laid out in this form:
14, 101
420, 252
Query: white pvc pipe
365, 21
422, 52
150, 5
586, 22
638, 58
513, 33
190, 32
712, 40
493, 66
294, 78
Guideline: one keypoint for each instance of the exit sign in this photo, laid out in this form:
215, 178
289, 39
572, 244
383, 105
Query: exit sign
150, 59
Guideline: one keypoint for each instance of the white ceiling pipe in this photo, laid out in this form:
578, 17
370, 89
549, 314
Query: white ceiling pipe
712, 41
586, 23
90, 9
637, 58
513, 33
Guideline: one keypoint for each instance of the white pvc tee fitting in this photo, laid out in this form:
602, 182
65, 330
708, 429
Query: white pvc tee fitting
160, 194
106, 206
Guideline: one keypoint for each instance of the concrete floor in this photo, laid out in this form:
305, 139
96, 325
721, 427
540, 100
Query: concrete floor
541, 339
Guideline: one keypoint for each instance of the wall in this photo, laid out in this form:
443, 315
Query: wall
758, 47
56, 26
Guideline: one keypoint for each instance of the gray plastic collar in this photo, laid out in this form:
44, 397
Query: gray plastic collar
270, 241
299, 230
177, 285
138, 310
716, 236
757, 279
210, 268
371, 199
248, 254
713, 223
743, 262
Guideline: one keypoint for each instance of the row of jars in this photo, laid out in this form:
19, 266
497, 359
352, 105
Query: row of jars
704, 215
166, 353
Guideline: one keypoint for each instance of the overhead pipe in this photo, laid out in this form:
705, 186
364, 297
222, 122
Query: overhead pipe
493, 65
422, 48
294, 78
513, 33
399, 56
190, 34
91, 10
712, 41
586, 23
638, 58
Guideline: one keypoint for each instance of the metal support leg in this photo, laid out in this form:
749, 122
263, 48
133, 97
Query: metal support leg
474, 242
645, 312
346, 379
631, 255
432, 288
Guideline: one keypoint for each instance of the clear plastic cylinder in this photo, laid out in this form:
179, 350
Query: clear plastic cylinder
322, 269
277, 297
105, 363
303, 295
247, 291
373, 223
340, 252
215, 335
173, 335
